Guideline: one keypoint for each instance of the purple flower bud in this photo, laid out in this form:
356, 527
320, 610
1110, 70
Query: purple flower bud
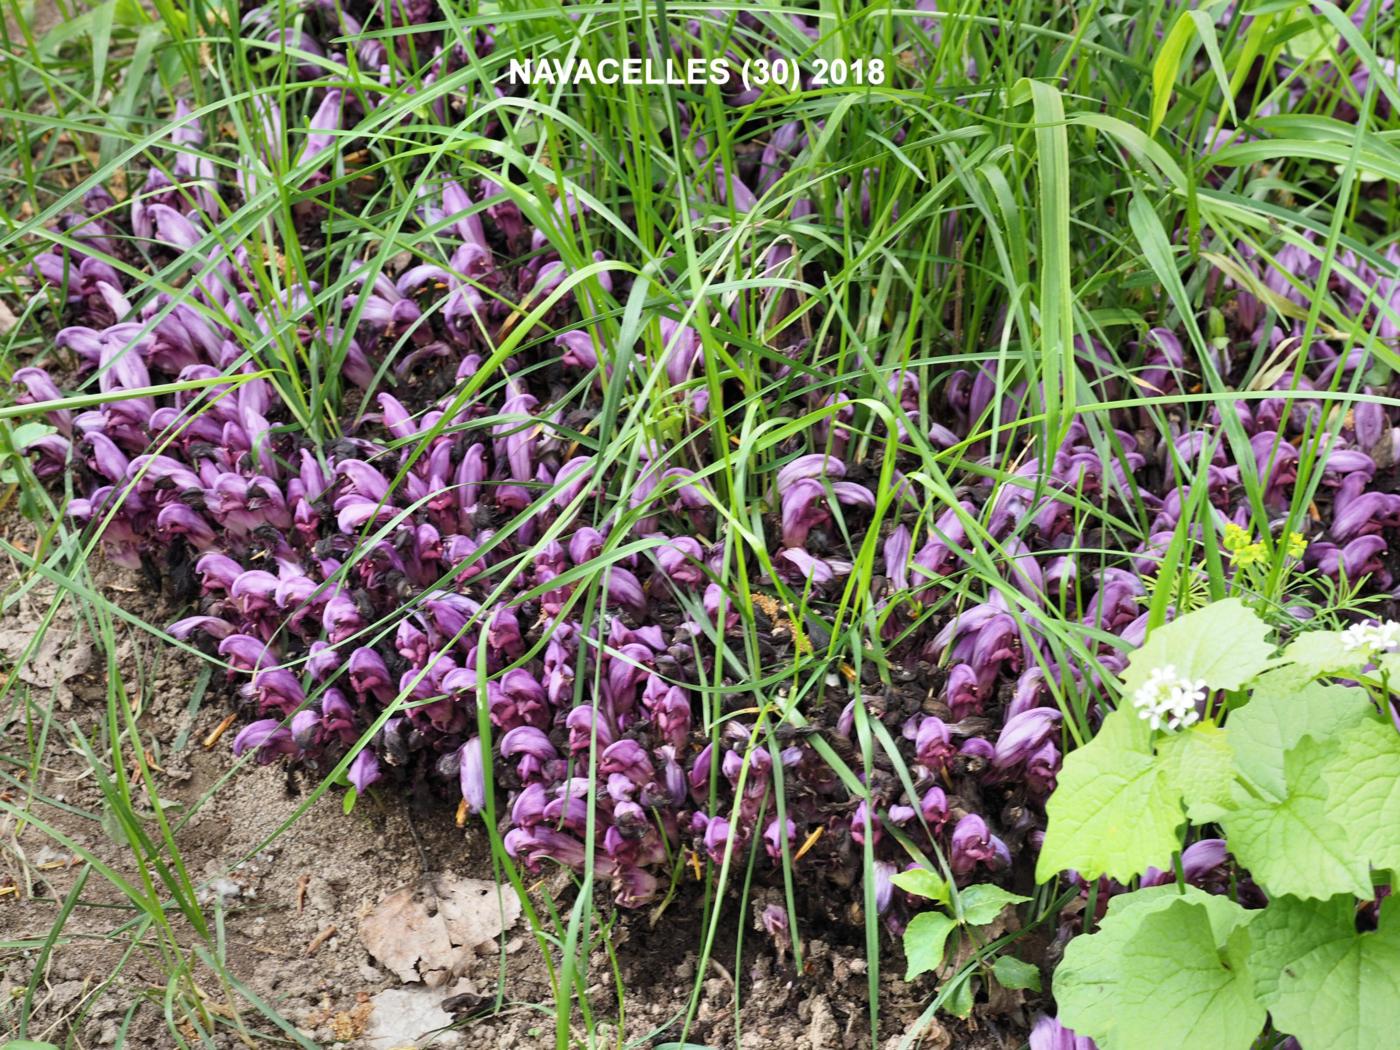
964, 691
682, 561
976, 747
278, 688
368, 673
581, 722
364, 770
322, 661
816, 465
671, 713
865, 823
883, 872
472, 774
106, 459
1023, 735
579, 349
529, 741
774, 835
1369, 512
933, 743
628, 758
39, 387
530, 805
341, 618
517, 699
177, 519
1201, 857
897, 547
1369, 423
210, 625
585, 545
625, 589
716, 838
245, 653
1048, 1034
338, 716
363, 480
173, 229
803, 507
268, 737
1349, 461
620, 788
673, 775
971, 844
325, 120
545, 842
1198, 861
934, 807
774, 921
700, 770
306, 729
635, 887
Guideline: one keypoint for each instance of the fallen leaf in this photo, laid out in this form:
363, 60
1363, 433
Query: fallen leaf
403, 1016
431, 931
58, 658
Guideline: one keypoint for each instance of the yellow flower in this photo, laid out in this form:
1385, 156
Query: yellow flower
1236, 538
1252, 554
1297, 546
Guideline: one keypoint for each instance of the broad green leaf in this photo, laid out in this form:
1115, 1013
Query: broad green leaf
982, 903
1292, 846
1200, 767
1363, 787
923, 883
1344, 994
1225, 643
1114, 813
1162, 975
29, 432
1321, 652
1283, 707
1012, 973
924, 940
1224, 913
959, 1002
1315, 43
1290, 928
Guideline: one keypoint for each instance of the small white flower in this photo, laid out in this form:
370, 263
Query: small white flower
1168, 700
1372, 638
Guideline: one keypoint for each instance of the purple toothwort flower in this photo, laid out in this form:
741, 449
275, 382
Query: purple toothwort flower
364, 770
268, 737
1048, 1034
973, 844
473, 775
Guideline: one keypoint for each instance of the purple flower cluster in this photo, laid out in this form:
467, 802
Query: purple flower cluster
423, 582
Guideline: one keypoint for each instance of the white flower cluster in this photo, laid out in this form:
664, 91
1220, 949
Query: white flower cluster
1371, 638
1167, 699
